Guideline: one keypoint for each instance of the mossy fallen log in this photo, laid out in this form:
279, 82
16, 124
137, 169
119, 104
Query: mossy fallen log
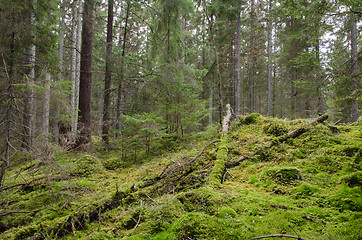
218, 170
292, 134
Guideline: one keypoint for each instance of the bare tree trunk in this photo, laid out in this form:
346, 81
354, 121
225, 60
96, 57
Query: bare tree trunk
46, 109
9, 105
320, 82
29, 117
270, 63
354, 68
107, 84
120, 83
238, 65
252, 33
60, 73
211, 100
73, 67
85, 87
79, 46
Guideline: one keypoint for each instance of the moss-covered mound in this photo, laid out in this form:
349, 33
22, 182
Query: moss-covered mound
308, 185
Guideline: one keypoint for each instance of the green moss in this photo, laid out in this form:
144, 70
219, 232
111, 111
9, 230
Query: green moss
305, 190
226, 212
202, 226
218, 170
284, 175
353, 179
250, 119
276, 129
113, 163
201, 200
86, 165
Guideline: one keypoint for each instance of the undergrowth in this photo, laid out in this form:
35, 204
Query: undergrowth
308, 186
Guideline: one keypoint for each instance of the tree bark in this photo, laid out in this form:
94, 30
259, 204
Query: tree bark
238, 65
270, 63
354, 68
85, 87
251, 74
120, 83
55, 126
108, 75
73, 67
46, 111
28, 117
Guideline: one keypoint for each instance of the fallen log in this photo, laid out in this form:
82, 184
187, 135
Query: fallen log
292, 134
217, 173
279, 235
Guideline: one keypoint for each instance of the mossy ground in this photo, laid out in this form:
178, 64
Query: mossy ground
308, 186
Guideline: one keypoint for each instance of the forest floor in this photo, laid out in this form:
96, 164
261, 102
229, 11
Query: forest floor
307, 186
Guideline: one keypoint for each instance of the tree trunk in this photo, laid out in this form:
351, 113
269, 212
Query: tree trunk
79, 46
251, 75
85, 87
46, 110
56, 119
28, 117
354, 68
107, 82
270, 63
73, 67
120, 83
238, 65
